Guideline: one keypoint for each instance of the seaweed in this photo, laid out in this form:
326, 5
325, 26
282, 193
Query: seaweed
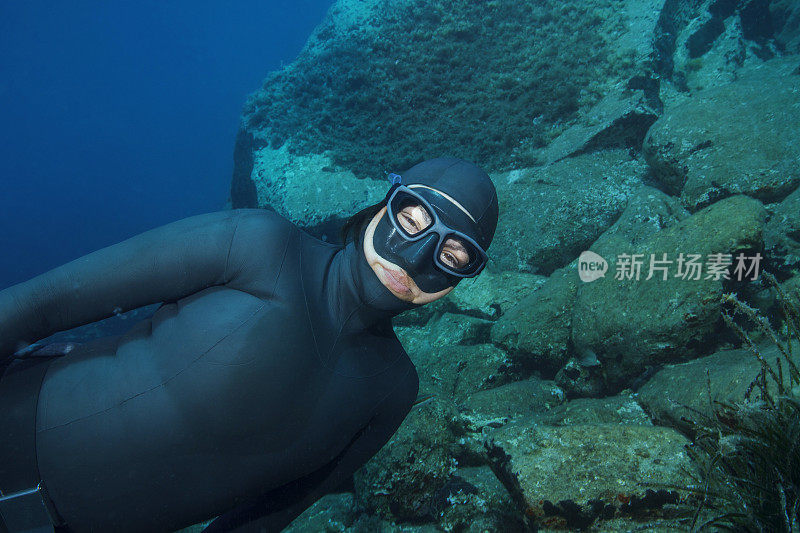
485, 81
747, 453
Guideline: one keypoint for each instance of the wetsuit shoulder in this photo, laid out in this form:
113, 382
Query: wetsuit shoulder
258, 251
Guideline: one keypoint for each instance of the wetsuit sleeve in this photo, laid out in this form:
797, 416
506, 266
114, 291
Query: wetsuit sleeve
162, 264
275, 510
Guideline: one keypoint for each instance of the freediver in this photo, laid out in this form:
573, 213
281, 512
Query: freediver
268, 375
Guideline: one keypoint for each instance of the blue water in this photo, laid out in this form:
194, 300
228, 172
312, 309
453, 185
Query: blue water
117, 117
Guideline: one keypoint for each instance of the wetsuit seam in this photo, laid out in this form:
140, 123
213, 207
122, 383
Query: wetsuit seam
164, 382
485, 209
336, 341
283, 260
308, 311
230, 247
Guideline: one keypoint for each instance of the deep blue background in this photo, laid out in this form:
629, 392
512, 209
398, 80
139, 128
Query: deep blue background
117, 117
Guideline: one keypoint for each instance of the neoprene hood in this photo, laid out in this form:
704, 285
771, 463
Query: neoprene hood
441, 182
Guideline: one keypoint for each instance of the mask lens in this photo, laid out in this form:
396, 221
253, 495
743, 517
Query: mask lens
410, 215
460, 256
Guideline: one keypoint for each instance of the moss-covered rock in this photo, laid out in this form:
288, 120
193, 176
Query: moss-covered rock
536, 331
455, 372
475, 502
492, 293
474, 80
487, 296
621, 119
631, 322
400, 482
622, 409
785, 17
497, 406
309, 190
682, 395
733, 139
568, 476
550, 214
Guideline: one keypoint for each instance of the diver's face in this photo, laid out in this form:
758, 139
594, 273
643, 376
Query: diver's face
395, 278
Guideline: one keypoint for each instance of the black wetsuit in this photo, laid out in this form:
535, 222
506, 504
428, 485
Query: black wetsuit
269, 374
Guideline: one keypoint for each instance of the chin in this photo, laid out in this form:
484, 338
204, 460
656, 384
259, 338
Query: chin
380, 265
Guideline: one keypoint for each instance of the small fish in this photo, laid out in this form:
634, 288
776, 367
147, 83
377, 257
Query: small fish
588, 358
423, 399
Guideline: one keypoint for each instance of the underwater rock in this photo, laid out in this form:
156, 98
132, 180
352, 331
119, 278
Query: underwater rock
733, 139
619, 120
496, 407
648, 210
367, 523
332, 512
568, 476
782, 233
401, 480
491, 294
487, 296
451, 329
458, 371
581, 380
785, 15
719, 40
622, 409
791, 288
484, 81
635, 323
536, 331
550, 214
678, 395
443, 329
310, 191
704, 43
475, 502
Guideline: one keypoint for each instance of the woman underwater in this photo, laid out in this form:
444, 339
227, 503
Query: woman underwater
269, 374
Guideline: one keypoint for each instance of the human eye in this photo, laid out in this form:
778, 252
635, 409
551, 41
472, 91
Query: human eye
408, 222
453, 259
454, 254
449, 259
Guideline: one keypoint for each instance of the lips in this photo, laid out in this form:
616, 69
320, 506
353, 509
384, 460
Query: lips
394, 277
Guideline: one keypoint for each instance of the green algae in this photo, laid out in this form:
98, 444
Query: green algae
485, 81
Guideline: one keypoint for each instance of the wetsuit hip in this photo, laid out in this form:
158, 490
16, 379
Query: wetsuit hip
24, 503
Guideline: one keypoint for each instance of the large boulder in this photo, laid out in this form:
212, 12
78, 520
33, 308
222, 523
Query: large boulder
536, 332
309, 190
631, 322
483, 81
487, 296
569, 476
685, 395
497, 406
399, 481
785, 19
492, 293
550, 214
622, 409
735, 139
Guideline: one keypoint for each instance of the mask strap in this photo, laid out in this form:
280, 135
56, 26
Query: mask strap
396, 180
